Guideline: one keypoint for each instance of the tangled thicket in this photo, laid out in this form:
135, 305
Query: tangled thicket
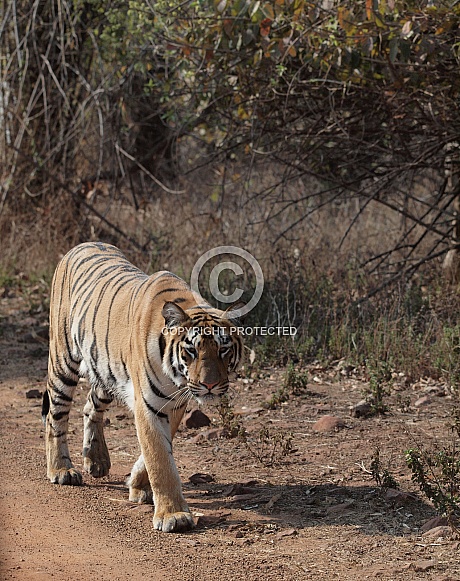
332, 100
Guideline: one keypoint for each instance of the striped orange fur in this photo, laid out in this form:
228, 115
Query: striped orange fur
147, 341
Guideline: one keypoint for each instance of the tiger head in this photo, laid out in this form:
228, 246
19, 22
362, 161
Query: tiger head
201, 350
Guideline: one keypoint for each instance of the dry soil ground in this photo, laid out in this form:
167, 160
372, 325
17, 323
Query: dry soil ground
317, 514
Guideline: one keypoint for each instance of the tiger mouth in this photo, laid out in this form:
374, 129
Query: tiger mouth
203, 394
209, 400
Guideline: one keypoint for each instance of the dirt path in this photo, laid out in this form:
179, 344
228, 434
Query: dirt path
316, 514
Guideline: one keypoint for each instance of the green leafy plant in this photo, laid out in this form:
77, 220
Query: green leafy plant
280, 396
295, 381
379, 382
437, 473
381, 475
229, 421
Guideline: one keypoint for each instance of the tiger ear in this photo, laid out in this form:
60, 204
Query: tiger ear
233, 313
174, 315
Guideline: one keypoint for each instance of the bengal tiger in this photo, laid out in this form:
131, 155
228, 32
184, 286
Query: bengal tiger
147, 341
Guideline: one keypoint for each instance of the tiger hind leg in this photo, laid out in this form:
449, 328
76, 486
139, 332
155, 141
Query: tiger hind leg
57, 401
96, 458
140, 490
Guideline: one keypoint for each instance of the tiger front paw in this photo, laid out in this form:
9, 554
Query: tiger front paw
176, 522
66, 476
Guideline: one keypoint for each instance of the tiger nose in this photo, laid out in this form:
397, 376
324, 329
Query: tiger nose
209, 386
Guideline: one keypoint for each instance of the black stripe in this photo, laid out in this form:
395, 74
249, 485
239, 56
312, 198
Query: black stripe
73, 365
167, 290
60, 368
83, 281
132, 301
101, 400
123, 282
154, 411
95, 405
100, 299
57, 434
156, 391
98, 378
105, 401
176, 349
104, 247
162, 345
205, 320
56, 403
59, 415
93, 351
171, 274
60, 393
66, 380
170, 356
125, 369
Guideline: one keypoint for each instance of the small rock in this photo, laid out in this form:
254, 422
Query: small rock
424, 400
273, 500
438, 532
423, 565
340, 508
239, 489
286, 533
214, 434
243, 498
436, 521
147, 508
328, 424
362, 409
243, 542
434, 390
346, 370
397, 497
245, 411
200, 478
189, 542
40, 336
250, 482
212, 518
196, 419
34, 394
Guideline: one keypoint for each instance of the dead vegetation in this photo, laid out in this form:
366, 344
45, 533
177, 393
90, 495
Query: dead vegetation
357, 271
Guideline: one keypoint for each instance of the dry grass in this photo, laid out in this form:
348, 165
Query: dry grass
313, 277
214, 206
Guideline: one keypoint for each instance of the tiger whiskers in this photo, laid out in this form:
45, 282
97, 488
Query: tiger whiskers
184, 394
184, 397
